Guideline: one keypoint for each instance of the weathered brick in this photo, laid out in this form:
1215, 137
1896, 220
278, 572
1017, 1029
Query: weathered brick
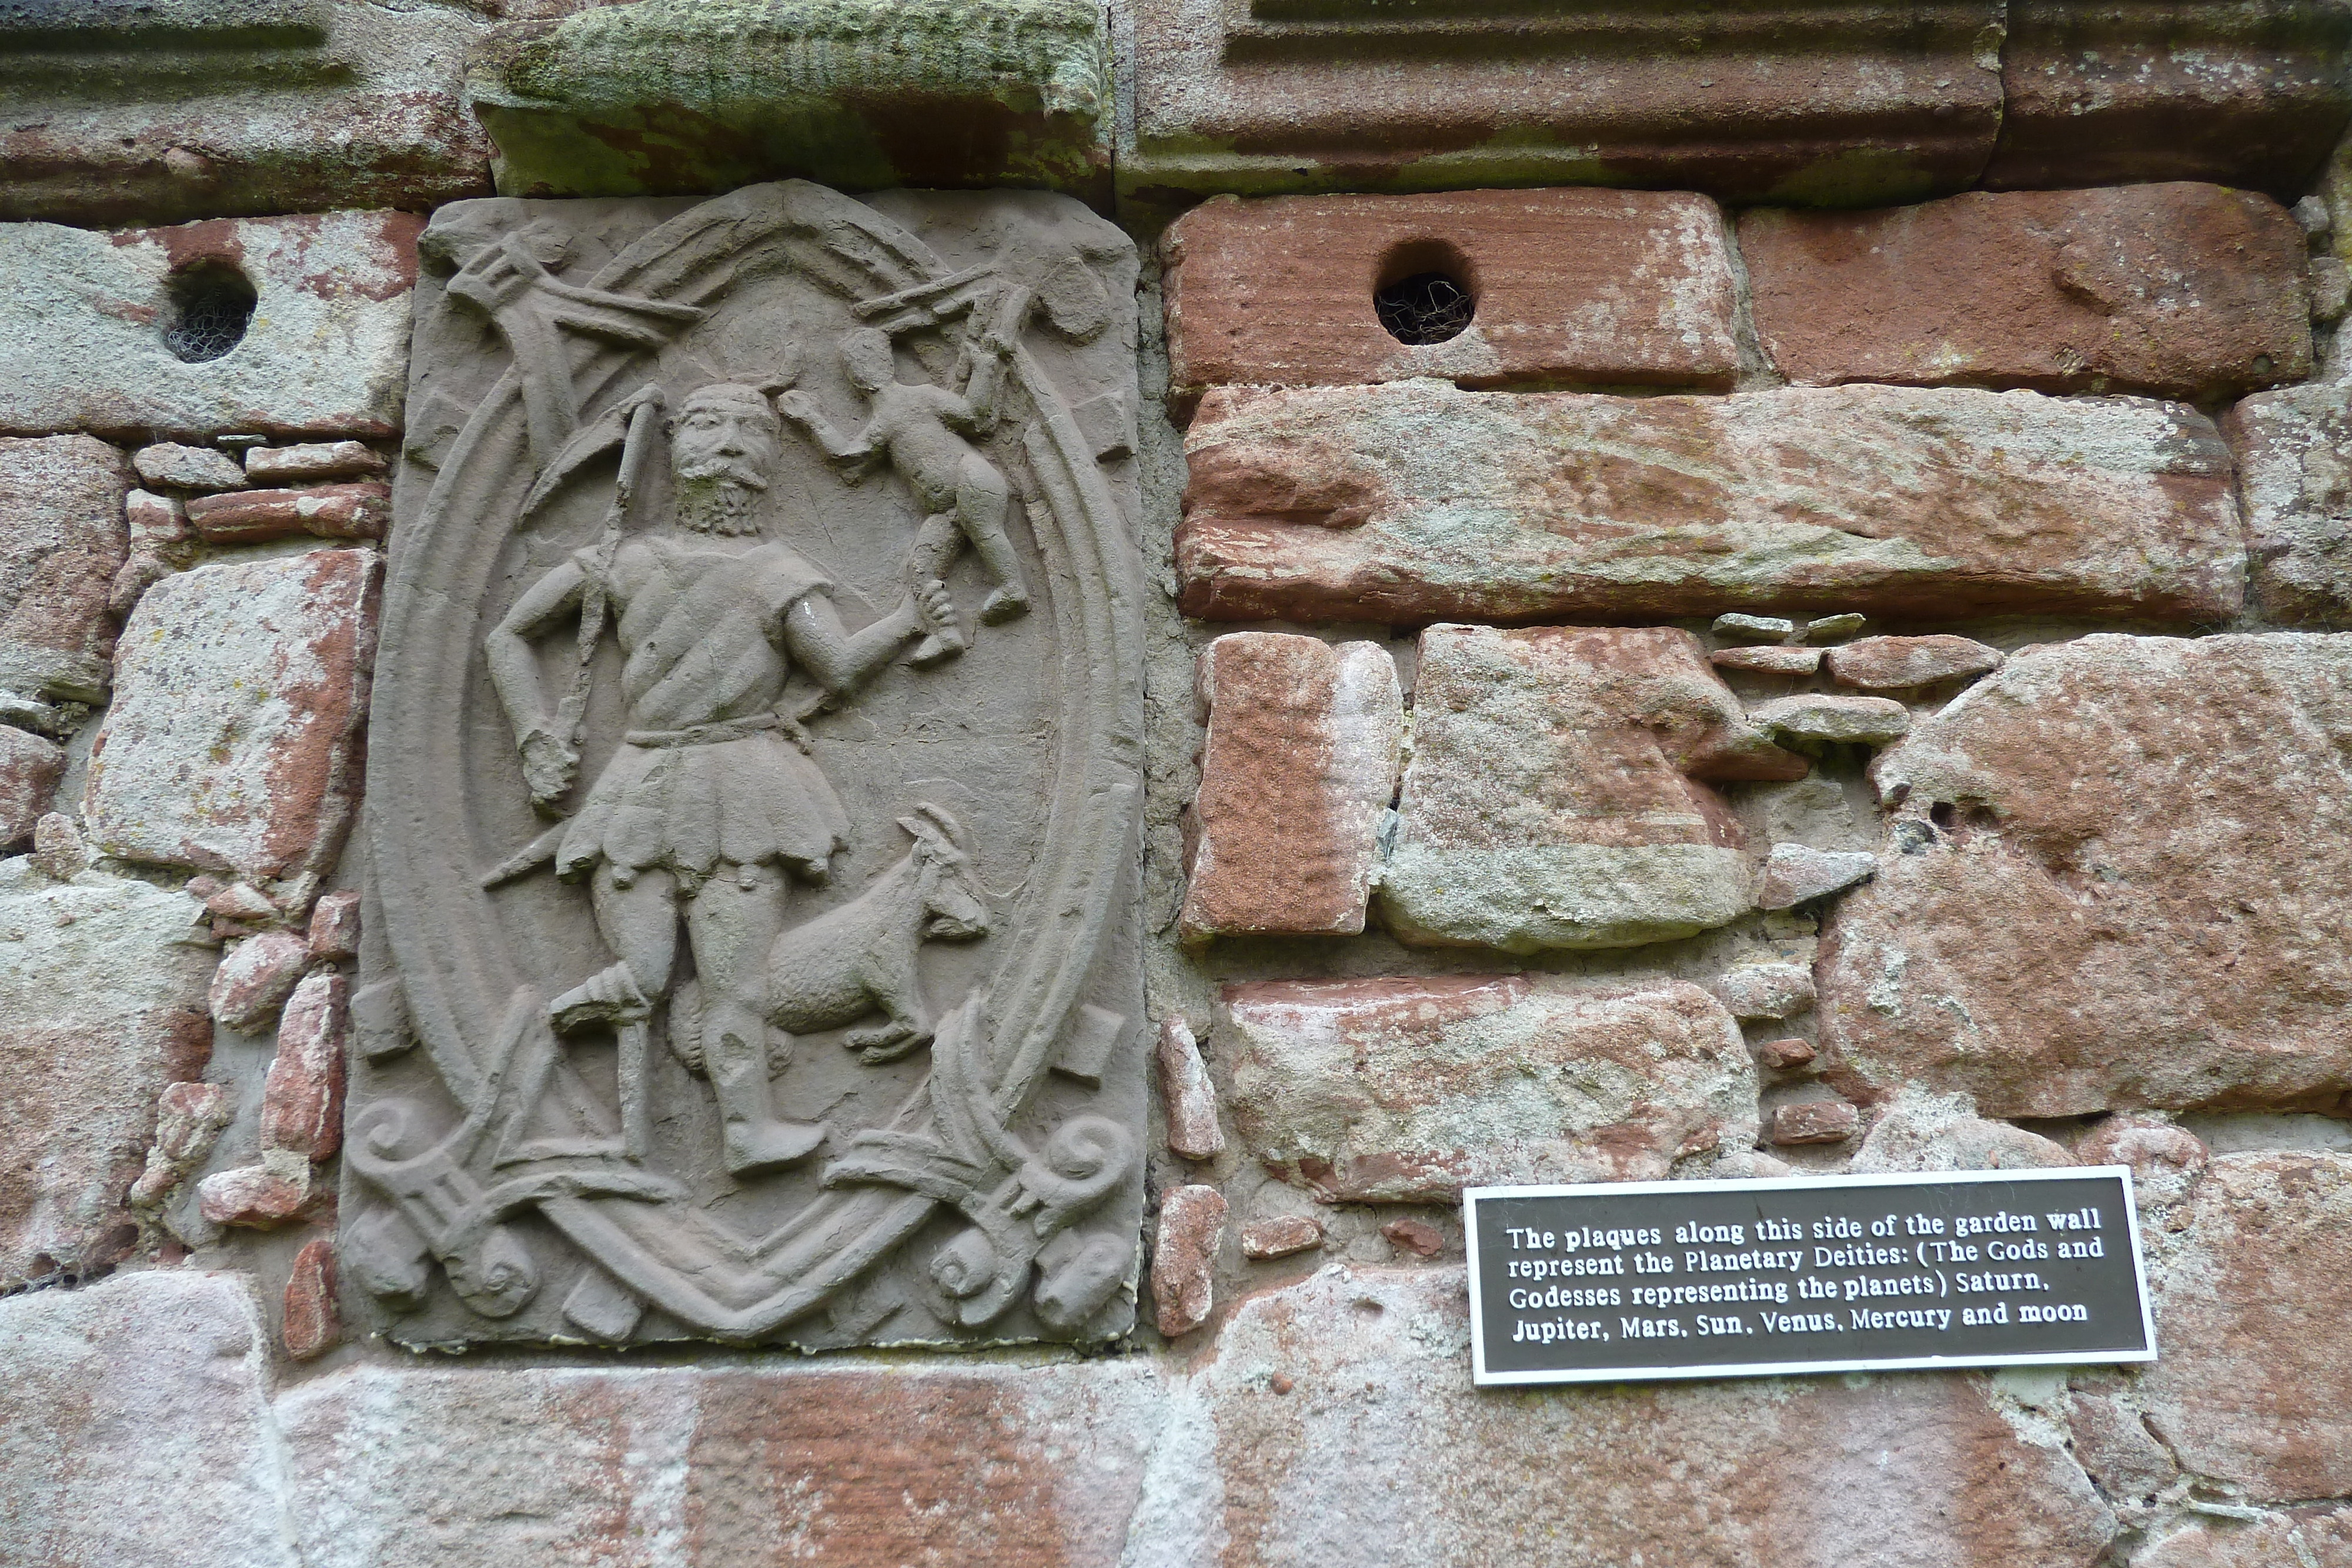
1552, 800
1602, 287
1409, 1090
256, 976
2124, 853
1280, 1238
241, 689
1417, 502
172, 466
1815, 1121
2180, 290
310, 462
1297, 769
335, 925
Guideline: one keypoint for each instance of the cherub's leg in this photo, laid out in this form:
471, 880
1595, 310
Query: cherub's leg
981, 497
936, 543
732, 922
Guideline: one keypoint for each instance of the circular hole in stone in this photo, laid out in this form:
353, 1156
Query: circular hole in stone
208, 307
1426, 293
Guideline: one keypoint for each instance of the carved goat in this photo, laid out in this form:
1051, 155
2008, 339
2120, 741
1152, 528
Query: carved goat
860, 959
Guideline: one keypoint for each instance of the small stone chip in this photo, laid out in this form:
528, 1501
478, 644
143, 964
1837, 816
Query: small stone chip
1797, 872
1280, 1238
1853, 721
310, 462
1893, 664
1767, 990
1781, 1055
1767, 660
1815, 1121
1184, 1257
1411, 1236
1754, 628
177, 467
1190, 1099
1835, 628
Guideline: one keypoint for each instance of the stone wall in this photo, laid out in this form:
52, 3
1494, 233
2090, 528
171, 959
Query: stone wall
1726, 592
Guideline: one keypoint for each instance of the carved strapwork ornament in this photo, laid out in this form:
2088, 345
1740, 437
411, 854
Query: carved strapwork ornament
754, 820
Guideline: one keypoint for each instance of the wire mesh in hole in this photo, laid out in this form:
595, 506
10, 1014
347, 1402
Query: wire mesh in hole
1427, 308
211, 307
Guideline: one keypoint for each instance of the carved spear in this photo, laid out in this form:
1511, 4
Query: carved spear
595, 599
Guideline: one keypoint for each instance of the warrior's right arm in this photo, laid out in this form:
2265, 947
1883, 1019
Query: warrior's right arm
514, 667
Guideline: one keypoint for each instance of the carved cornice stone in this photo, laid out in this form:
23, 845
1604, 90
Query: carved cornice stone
674, 96
1844, 102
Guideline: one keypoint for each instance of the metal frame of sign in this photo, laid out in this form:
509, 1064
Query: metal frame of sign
1472, 1196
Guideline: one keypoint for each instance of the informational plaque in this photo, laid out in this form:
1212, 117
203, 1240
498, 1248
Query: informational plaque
1731, 1279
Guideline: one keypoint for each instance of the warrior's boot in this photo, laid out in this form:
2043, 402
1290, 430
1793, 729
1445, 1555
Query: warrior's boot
735, 1054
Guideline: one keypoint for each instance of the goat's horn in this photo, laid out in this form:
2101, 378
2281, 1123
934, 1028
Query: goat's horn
948, 824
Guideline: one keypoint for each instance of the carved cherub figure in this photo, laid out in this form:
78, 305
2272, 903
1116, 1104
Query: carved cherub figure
922, 431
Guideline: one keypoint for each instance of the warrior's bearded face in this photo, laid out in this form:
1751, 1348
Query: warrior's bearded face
725, 445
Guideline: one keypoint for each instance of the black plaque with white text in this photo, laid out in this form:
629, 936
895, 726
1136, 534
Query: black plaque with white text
1728, 1279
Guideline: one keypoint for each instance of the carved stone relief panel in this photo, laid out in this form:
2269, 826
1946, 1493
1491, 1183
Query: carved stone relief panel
753, 819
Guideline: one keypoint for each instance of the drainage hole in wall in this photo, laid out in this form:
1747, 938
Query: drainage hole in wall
1426, 307
208, 307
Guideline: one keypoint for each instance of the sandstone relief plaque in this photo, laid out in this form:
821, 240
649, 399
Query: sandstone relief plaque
753, 814
1857, 1274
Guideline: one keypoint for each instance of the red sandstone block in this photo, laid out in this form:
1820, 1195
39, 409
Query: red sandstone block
2181, 290
1597, 287
1300, 761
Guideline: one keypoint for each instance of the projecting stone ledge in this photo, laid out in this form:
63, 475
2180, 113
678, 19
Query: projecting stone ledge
1414, 502
679, 96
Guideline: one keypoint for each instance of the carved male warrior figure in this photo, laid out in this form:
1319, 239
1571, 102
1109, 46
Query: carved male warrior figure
709, 808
